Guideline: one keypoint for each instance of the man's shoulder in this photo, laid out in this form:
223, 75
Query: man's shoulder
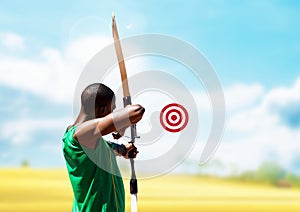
69, 134
69, 127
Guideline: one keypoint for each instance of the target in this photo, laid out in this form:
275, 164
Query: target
174, 117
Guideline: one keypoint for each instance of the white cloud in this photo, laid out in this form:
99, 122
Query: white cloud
82, 49
19, 132
53, 74
129, 26
283, 96
12, 41
241, 96
52, 148
257, 133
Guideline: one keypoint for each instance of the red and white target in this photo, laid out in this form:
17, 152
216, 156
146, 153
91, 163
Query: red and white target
174, 117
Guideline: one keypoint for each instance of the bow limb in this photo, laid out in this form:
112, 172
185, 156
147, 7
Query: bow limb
127, 101
120, 58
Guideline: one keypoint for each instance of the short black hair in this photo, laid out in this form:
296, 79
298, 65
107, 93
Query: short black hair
96, 95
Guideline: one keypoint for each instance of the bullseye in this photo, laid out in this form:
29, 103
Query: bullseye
174, 117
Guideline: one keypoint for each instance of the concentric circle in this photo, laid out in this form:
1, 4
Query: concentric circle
174, 117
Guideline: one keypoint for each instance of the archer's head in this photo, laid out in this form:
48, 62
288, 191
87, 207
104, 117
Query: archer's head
97, 100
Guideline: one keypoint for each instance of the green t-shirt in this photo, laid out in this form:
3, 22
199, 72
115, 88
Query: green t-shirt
94, 175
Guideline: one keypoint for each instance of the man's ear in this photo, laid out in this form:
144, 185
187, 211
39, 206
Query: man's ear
102, 110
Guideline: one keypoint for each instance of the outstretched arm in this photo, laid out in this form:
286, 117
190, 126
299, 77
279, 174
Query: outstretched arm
90, 131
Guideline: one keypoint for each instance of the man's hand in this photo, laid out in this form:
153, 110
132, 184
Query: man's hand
127, 150
131, 151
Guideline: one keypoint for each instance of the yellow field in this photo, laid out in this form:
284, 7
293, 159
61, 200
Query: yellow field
49, 190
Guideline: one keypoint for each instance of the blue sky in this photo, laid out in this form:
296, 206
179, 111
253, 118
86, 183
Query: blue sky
263, 36
254, 47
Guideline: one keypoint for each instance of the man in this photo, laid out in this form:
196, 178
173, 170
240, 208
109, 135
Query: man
91, 163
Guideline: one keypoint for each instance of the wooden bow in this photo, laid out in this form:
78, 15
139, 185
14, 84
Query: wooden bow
126, 101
